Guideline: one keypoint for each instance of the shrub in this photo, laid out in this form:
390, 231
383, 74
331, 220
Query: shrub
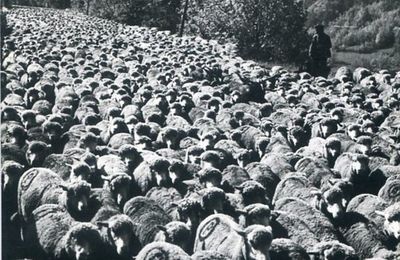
262, 29
163, 14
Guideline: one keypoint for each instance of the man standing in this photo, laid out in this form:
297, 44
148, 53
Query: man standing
320, 51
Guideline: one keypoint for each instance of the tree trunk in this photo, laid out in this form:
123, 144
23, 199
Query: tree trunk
182, 26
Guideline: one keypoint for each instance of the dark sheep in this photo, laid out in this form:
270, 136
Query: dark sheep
147, 216
58, 236
164, 250
264, 175
390, 192
286, 249
294, 186
167, 198
151, 174
313, 219
39, 186
221, 233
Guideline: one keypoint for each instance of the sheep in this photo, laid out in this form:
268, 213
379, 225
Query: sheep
255, 214
162, 250
263, 174
151, 174
39, 186
312, 219
221, 233
316, 172
118, 140
165, 198
392, 224
367, 205
354, 168
58, 236
208, 255
333, 250
277, 163
60, 164
148, 216
11, 152
390, 192
11, 172
363, 236
286, 249
178, 233
111, 164
294, 186
233, 176
118, 237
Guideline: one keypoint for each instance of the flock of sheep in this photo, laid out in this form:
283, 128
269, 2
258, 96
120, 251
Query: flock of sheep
123, 142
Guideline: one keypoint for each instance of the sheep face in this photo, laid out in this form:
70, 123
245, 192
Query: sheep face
393, 227
207, 143
259, 239
392, 220
360, 169
82, 241
82, 250
259, 220
36, 154
121, 242
353, 134
77, 198
29, 120
327, 130
161, 177
121, 193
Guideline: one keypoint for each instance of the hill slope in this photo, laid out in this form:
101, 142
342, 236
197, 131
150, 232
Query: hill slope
360, 26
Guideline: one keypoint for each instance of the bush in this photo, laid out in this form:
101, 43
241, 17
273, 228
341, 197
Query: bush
163, 14
262, 29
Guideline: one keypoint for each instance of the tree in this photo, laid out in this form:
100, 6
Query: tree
262, 29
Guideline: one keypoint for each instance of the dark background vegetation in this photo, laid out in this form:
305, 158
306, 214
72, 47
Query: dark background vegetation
364, 32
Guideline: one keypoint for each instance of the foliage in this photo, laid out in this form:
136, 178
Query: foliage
163, 14
262, 29
59, 4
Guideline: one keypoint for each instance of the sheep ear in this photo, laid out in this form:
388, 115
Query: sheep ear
344, 203
312, 252
162, 228
240, 188
48, 146
64, 187
102, 224
274, 215
380, 213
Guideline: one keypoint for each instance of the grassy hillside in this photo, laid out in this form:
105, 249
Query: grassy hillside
361, 26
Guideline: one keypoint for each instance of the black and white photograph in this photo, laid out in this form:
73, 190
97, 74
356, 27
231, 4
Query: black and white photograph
200, 129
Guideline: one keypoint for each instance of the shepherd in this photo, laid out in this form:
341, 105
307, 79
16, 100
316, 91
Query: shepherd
320, 51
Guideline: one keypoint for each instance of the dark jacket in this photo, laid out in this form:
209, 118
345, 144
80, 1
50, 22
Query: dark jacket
320, 46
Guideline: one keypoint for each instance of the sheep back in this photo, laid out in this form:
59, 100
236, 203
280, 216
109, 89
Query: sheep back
146, 214
37, 186
162, 250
